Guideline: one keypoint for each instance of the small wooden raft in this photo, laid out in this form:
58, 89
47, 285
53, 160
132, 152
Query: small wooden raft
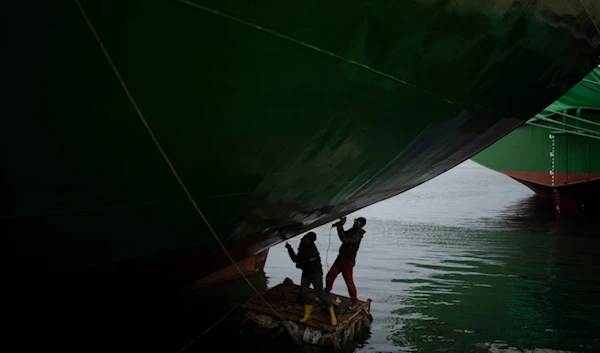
317, 330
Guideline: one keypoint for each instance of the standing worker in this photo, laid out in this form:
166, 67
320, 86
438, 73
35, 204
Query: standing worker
309, 261
346, 259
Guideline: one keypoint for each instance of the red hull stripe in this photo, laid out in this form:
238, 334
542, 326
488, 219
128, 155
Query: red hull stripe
545, 178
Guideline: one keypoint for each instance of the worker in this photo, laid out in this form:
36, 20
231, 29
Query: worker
346, 258
309, 261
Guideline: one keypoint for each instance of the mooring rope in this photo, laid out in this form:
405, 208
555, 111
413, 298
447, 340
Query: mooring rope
328, 246
166, 158
589, 15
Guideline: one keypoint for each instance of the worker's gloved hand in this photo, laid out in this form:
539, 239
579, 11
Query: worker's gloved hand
340, 222
287, 245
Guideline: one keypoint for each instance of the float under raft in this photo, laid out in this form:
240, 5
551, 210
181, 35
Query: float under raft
318, 330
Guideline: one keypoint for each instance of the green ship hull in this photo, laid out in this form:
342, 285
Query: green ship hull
277, 116
556, 153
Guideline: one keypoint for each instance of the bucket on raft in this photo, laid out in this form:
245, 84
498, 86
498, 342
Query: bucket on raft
352, 321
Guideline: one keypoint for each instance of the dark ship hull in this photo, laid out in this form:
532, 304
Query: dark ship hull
278, 117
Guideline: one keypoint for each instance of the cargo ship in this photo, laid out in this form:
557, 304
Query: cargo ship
133, 129
557, 152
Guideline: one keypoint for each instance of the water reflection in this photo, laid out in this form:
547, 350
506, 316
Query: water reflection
521, 279
536, 214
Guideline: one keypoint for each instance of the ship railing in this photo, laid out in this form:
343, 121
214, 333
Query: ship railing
555, 129
565, 127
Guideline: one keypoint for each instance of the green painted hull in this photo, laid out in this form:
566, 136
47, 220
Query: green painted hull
541, 156
556, 153
278, 116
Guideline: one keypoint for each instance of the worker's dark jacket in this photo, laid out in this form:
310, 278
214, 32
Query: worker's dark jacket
350, 243
307, 259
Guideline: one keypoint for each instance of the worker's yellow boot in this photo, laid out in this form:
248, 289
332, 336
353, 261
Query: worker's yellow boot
307, 311
333, 318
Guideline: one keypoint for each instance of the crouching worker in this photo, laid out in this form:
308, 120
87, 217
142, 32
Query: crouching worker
309, 261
